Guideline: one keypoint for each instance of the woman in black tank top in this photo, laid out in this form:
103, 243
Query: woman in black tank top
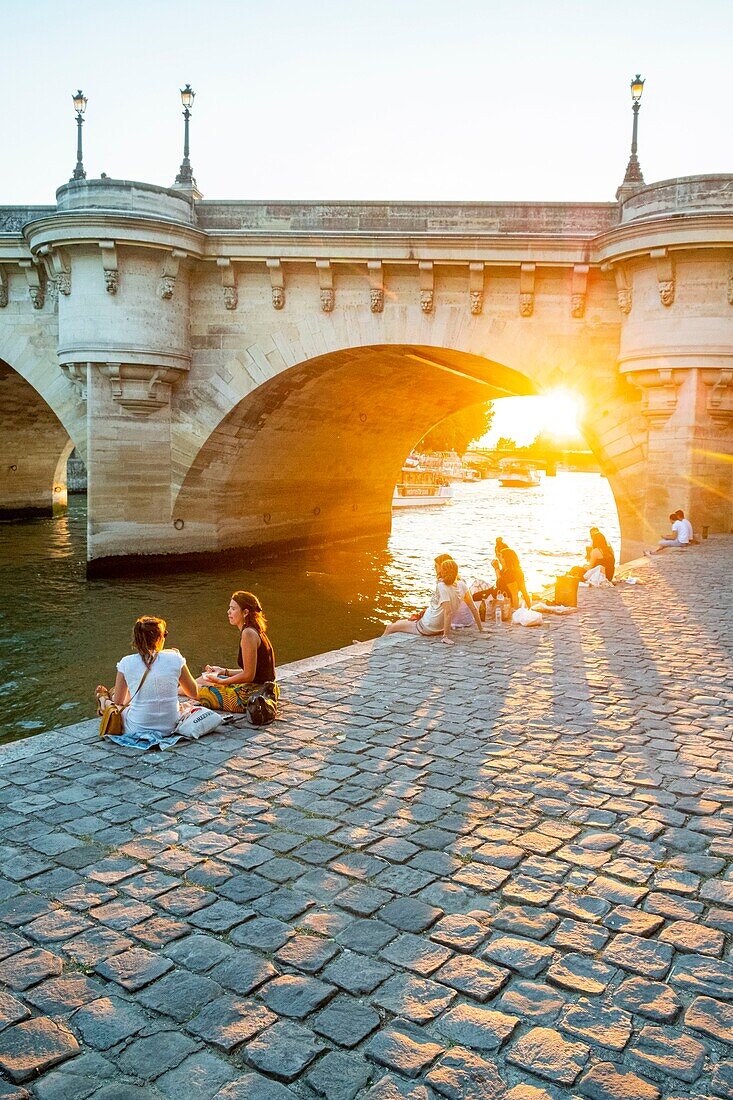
265, 666
229, 689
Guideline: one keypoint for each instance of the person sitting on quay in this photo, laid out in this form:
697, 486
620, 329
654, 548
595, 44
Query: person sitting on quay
600, 552
499, 545
510, 577
148, 684
482, 590
437, 618
229, 689
681, 534
510, 583
686, 528
589, 548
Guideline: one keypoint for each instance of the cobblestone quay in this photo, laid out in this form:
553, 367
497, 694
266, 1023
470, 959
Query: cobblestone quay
502, 871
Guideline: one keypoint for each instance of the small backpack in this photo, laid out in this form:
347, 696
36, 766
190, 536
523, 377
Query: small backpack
262, 704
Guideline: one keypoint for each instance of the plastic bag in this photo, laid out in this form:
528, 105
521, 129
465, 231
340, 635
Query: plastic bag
523, 617
198, 722
596, 577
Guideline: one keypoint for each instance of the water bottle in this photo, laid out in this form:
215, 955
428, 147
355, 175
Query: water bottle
497, 612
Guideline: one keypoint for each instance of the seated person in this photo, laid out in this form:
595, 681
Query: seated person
679, 536
589, 547
601, 553
148, 683
686, 528
229, 689
510, 578
488, 591
437, 618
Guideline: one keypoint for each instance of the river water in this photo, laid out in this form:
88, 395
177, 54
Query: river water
60, 634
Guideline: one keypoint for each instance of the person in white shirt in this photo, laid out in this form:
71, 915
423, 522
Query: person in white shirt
681, 534
152, 706
686, 528
436, 620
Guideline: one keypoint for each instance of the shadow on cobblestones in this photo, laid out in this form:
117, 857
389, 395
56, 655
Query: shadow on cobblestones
497, 871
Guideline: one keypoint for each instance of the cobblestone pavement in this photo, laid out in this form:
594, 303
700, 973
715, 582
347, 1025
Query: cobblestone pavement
502, 870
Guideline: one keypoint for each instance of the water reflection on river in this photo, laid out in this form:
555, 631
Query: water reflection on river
61, 634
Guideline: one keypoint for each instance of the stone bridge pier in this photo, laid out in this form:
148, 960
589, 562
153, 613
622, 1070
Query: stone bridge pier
248, 375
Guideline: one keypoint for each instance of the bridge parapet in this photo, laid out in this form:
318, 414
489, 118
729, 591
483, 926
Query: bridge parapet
140, 199
408, 218
686, 195
13, 218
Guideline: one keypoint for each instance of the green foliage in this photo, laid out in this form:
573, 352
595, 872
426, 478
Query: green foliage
457, 432
504, 443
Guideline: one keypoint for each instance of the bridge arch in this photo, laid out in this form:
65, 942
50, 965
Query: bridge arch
30, 351
312, 453
34, 449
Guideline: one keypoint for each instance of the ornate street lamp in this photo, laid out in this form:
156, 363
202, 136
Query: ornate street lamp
185, 174
633, 175
80, 106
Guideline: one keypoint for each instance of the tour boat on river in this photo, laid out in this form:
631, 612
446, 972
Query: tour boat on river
518, 475
419, 488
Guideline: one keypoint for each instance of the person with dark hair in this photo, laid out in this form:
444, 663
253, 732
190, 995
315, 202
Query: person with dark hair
229, 689
510, 577
148, 682
589, 547
437, 617
681, 534
685, 531
600, 552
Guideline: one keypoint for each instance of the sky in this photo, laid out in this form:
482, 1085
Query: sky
459, 99
523, 418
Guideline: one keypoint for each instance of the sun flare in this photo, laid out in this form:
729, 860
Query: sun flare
561, 411
556, 413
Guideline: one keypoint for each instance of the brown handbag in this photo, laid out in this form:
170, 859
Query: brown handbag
110, 723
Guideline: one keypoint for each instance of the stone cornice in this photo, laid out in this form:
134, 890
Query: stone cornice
13, 249
676, 231
676, 358
396, 248
693, 212
132, 354
92, 226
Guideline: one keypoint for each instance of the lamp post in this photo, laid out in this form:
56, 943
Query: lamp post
80, 106
633, 175
185, 174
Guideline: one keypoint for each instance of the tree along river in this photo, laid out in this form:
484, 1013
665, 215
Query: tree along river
60, 634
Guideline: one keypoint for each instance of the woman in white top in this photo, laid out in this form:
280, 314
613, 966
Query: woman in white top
153, 707
437, 617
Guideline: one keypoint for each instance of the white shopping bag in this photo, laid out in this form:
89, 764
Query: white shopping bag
523, 617
198, 722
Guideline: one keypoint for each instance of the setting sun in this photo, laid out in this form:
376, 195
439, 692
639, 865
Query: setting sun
561, 411
556, 413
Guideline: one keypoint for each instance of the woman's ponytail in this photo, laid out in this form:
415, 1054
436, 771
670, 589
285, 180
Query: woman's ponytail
146, 636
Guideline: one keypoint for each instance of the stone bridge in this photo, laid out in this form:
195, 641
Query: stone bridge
252, 375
